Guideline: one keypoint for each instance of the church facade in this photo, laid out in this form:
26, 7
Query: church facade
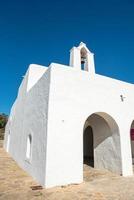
64, 116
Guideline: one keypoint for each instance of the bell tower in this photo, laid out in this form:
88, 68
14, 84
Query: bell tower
82, 59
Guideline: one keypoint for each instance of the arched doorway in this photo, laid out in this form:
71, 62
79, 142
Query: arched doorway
101, 142
132, 141
88, 149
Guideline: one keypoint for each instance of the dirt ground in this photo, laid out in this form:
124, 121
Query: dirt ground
15, 184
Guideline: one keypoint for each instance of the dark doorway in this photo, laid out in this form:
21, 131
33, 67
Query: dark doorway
88, 147
132, 141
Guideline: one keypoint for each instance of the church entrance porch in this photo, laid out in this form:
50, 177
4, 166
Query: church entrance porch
101, 143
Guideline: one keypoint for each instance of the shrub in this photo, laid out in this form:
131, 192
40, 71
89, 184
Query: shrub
3, 121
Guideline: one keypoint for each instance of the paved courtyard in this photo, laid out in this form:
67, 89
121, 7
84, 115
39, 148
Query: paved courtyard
15, 184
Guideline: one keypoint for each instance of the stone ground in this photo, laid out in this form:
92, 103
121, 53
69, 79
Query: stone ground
15, 184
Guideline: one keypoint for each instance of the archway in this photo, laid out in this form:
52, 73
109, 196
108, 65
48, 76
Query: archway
132, 141
106, 142
83, 54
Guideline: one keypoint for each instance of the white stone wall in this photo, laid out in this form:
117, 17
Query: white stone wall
30, 117
74, 96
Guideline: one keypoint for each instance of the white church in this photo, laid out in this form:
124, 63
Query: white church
65, 116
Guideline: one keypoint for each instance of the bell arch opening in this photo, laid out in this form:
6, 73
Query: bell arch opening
83, 54
101, 143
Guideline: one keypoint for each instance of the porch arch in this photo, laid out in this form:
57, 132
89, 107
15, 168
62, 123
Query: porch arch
106, 142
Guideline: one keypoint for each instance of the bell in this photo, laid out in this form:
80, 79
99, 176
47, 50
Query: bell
83, 59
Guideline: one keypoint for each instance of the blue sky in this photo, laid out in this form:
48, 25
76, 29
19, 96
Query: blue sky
39, 31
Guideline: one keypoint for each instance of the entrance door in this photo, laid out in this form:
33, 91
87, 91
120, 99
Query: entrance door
88, 147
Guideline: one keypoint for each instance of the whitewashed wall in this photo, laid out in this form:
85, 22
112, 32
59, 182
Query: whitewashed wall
74, 96
29, 116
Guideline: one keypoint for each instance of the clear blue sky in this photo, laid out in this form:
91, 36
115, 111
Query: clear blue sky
39, 31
